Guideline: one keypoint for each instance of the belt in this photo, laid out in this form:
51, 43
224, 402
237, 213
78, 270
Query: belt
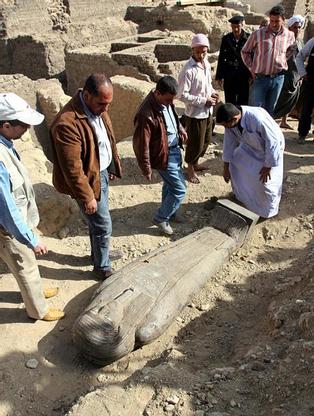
173, 146
270, 75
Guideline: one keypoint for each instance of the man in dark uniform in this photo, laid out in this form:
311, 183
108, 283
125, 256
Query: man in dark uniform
232, 74
307, 74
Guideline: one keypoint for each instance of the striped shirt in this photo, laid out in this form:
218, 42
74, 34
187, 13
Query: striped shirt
265, 52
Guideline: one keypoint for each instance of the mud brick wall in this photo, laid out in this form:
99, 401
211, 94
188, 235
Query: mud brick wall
120, 46
44, 28
81, 63
169, 53
24, 16
35, 58
142, 58
5, 62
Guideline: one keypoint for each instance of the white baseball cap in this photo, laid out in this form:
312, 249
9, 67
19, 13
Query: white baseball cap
13, 107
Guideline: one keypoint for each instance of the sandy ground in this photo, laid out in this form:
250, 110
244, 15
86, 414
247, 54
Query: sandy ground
243, 346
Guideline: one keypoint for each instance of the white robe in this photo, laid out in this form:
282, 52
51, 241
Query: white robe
261, 143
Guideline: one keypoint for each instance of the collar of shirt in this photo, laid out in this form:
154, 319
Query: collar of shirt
192, 62
268, 29
87, 111
6, 142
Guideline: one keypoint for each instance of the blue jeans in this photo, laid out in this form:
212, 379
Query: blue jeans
100, 227
174, 188
265, 92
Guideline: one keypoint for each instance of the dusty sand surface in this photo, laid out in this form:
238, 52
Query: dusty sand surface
243, 346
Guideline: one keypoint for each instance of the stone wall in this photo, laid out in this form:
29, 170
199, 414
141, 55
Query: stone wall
211, 20
24, 17
172, 52
81, 63
44, 28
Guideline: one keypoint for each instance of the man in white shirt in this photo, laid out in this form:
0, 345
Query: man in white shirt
198, 95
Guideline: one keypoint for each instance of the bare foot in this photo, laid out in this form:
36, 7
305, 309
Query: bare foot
284, 125
199, 168
191, 176
193, 179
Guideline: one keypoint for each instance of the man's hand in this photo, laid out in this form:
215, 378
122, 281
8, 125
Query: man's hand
264, 174
111, 177
226, 173
40, 249
184, 136
212, 100
148, 176
91, 207
253, 75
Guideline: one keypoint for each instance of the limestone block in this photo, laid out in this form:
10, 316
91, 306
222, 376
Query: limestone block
51, 99
24, 17
21, 85
128, 95
36, 56
56, 211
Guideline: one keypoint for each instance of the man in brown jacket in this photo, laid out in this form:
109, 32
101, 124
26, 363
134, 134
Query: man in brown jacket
157, 140
85, 158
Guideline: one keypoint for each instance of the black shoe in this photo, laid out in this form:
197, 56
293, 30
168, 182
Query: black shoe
301, 140
103, 274
115, 254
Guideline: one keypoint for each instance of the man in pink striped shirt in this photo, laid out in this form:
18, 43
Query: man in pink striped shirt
265, 54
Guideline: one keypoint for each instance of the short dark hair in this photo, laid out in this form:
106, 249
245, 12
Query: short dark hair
226, 112
94, 81
167, 84
277, 11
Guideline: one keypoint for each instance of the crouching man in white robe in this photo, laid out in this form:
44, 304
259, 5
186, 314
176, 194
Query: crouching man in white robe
253, 157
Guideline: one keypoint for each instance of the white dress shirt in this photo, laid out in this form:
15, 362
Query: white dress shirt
195, 88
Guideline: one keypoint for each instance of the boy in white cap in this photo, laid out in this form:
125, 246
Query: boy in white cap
18, 210
198, 95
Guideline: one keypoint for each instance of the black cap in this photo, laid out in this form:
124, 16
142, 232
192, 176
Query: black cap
236, 19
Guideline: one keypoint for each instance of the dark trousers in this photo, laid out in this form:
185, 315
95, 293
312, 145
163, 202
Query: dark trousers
199, 136
307, 108
236, 91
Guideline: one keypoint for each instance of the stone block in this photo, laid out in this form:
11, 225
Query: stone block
82, 62
128, 95
36, 57
52, 99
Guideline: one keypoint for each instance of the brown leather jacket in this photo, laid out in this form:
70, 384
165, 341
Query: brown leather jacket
76, 170
150, 141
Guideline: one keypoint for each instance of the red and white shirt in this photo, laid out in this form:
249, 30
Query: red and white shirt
265, 52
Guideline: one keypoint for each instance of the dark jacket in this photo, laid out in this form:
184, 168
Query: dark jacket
230, 62
76, 169
150, 141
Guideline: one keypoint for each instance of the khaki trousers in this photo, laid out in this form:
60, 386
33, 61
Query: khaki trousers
23, 265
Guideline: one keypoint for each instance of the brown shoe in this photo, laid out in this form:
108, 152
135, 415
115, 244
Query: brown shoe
50, 292
103, 274
53, 315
